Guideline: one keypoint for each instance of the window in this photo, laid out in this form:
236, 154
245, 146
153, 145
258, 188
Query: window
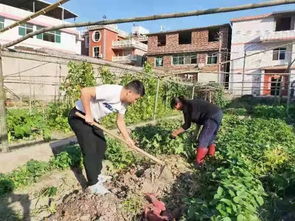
161, 40
96, 52
51, 36
184, 59
212, 58
213, 34
185, 37
193, 59
96, 36
178, 59
159, 61
25, 29
1, 23
283, 24
279, 54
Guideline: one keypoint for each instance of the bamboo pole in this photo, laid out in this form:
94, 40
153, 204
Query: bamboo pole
153, 17
219, 55
288, 70
3, 124
243, 74
156, 99
30, 17
193, 92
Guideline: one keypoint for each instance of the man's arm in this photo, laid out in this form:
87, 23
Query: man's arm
185, 126
175, 133
87, 94
123, 129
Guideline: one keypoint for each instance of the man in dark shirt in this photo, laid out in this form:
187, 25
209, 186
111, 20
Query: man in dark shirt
202, 113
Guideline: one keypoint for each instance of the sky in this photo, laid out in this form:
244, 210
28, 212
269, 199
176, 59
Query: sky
95, 10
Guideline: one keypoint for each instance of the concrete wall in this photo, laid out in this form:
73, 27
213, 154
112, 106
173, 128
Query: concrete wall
39, 75
207, 77
70, 37
246, 37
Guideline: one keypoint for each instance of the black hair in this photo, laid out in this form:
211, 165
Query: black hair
136, 86
175, 100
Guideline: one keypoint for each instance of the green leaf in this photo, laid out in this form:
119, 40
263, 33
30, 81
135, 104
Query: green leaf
241, 217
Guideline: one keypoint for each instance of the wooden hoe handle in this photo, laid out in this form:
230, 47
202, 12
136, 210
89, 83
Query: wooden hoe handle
122, 140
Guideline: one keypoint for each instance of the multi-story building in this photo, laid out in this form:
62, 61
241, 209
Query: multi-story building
65, 40
112, 44
268, 42
192, 53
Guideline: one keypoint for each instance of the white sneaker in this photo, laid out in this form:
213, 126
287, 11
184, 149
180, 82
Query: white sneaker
103, 178
98, 188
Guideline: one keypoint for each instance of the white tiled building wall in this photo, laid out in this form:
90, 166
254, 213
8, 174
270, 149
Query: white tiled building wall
70, 38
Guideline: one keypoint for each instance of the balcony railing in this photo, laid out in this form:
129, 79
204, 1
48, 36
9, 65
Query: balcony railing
129, 44
127, 59
278, 36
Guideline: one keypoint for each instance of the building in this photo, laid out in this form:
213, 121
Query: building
266, 40
112, 44
66, 40
192, 53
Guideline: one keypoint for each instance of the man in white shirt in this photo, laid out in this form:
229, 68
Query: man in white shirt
95, 103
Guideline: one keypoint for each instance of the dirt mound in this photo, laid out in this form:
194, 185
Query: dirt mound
84, 207
127, 198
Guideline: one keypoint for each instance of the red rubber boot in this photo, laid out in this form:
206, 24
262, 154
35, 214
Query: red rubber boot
212, 149
201, 153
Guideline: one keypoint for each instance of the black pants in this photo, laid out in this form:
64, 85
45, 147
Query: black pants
92, 143
209, 130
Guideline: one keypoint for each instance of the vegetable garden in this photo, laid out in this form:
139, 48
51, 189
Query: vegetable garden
252, 176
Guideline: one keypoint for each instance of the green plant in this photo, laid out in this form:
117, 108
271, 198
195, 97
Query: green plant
156, 139
33, 169
213, 92
25, 125
133, 205
253, 153
119, 155
80, 75
49, 191
144, 109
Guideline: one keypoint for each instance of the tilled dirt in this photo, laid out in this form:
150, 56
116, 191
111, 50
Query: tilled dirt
127, 198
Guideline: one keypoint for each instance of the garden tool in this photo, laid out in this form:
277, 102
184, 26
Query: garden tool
125, 142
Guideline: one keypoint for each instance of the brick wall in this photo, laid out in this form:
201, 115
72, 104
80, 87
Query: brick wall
199, 42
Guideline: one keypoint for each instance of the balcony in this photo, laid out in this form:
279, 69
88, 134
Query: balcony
129, 44
278, 36
129, 59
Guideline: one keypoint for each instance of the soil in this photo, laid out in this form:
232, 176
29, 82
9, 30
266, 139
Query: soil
125, 202
127, 198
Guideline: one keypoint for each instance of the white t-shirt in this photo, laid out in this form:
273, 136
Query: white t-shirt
107, 101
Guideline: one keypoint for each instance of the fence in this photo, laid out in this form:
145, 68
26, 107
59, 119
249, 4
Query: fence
38, 77
30, 76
